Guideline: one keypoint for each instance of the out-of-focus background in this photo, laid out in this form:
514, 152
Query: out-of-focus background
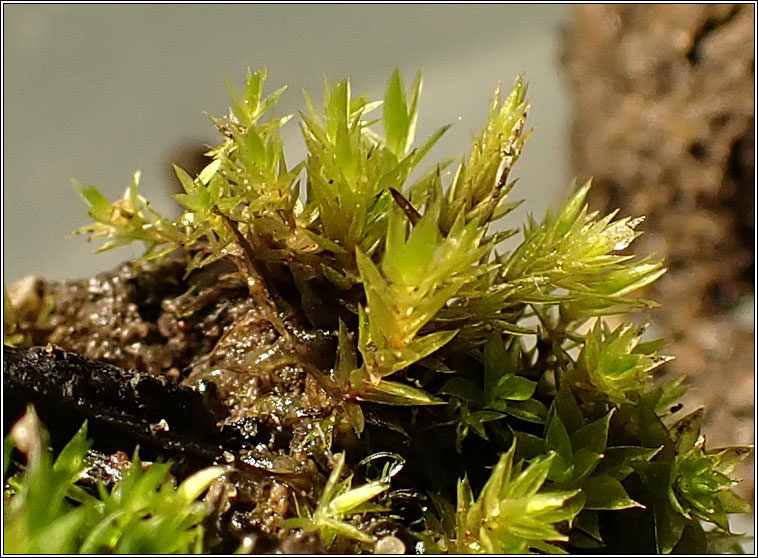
657, 104
96, 92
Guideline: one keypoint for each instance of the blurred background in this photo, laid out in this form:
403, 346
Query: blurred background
657, 105
96, 92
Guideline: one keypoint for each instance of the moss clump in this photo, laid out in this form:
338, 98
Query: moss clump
370, 325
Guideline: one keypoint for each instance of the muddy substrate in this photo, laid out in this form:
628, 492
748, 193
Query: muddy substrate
191, 370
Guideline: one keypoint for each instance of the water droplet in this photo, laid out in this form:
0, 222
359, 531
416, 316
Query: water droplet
389, 545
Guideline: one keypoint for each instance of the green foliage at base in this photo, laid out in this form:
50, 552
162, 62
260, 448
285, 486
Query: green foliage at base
339, 500
47, 512
512, 515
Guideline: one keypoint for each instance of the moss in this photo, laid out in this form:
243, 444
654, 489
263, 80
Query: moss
377, 351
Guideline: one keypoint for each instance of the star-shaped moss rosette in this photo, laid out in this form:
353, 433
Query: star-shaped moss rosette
688, 484
512, 515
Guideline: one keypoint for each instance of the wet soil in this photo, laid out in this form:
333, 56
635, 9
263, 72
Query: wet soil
192, 369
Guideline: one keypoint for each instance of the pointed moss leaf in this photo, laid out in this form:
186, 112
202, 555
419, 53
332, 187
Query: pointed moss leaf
462, 389
395, 393
585, 462
733, 503
529, 446
270, 101
530, 410
514, 388
197, 483
594, 436
568, 409
70, 460
669, 523
198, 202
570, 211
504, 209
350, 500
404, 262
476, 420
337, 108
396, 122
606, 493
413, 107
100, 207
588, 521
686, 431
427, 344
496, 363
620, 364
254, 88
332, 483
670, 393
728, 458
617, 460
187, 182
650, 347
557, 438
345, 156
529, 481
255, 148
635, 277
209, 171
486, 416
427, 146
197, 198
342, 529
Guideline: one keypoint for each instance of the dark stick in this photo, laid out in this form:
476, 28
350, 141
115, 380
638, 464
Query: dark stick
123, 407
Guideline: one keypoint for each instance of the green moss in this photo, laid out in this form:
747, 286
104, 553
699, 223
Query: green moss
47, 512
452, 333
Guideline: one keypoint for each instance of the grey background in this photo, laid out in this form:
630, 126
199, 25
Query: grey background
95, 92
